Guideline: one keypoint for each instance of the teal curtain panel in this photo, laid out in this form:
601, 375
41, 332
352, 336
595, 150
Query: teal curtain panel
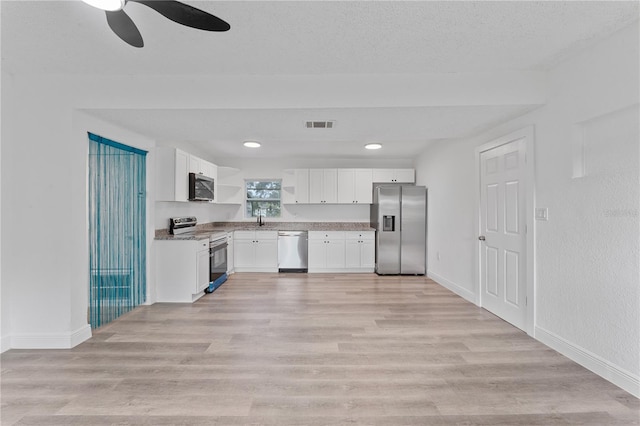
117, 237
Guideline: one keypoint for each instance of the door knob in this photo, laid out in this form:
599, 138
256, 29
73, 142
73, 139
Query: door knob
481, 238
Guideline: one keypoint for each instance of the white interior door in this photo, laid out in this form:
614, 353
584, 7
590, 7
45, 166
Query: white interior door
503, 287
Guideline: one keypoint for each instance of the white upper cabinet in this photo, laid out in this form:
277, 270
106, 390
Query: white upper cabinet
295, 186
394, 175
172, 174
301, 191
354, 186
338, 186
323, 186
202, 167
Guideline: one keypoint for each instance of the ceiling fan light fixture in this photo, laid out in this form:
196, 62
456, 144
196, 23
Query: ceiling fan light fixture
252, 144
109, 5
373, 146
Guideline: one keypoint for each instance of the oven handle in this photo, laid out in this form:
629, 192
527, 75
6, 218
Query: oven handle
218, 245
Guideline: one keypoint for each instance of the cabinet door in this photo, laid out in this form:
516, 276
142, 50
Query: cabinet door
405, 175
209, 169
202, 274
181, 176
230, 256
368, 254
317, 254
194, 164
330, 186
346, 186
316, 181
383, 175
335, 254
301, 191
266, 254
243, 253
363, 188
352, 254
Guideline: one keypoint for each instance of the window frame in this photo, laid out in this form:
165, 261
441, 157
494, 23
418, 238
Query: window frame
248, 200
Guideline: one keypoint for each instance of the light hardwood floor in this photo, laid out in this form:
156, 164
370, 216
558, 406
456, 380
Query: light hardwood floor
297, 349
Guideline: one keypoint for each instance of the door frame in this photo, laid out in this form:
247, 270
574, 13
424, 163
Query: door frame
527, 134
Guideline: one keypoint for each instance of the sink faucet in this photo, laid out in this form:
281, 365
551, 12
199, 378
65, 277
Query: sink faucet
260, 222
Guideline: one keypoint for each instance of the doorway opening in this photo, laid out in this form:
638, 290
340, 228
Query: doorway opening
117, 234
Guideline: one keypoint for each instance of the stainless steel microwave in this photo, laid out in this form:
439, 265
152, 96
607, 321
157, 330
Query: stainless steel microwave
201, 187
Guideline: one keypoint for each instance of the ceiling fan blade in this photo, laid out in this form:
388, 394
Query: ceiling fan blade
186, 15
124, 28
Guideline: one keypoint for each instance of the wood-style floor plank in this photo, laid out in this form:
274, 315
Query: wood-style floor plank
317, 349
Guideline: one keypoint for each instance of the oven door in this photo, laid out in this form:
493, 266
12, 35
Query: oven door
217, 259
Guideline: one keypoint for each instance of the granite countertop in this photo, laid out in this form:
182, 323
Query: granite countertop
204, 231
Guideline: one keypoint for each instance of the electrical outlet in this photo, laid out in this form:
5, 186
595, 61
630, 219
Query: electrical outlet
542, 213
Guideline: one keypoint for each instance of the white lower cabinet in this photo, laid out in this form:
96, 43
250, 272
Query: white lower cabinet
182, 270
255, 251
360, 251
326, 251
230, 257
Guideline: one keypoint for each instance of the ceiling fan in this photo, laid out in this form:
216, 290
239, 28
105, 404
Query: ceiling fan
123, 26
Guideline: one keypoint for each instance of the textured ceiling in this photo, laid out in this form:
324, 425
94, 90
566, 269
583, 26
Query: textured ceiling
317, 39
309, 37
402, 131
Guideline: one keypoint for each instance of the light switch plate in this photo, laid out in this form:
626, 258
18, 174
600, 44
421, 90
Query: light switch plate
542, 213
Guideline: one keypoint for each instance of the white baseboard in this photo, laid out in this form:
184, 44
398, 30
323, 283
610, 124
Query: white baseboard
253, 269
5, 343
456, 288
51, 340
603, 368
80, 335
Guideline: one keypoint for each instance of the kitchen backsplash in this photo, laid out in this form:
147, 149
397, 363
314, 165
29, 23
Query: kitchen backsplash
206, 212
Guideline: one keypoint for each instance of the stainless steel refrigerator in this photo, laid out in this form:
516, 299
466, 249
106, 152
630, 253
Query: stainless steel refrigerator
399, 215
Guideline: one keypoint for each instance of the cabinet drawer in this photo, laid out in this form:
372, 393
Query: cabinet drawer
266, 235
360, 235
326, 235
244, 235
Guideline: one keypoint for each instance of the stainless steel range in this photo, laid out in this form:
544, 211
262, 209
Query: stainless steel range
217, 248
217, 260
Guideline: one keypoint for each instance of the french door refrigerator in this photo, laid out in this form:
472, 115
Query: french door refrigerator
399, 214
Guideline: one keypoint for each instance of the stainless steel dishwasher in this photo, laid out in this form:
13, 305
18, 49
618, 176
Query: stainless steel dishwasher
293, 251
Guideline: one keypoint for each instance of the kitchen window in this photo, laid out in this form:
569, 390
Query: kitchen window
263, 197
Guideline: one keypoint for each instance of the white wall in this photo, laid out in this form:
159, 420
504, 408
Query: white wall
5, 318
44, 273
588, 286
273, 169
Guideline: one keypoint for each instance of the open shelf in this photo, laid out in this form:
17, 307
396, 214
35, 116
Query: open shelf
227, 172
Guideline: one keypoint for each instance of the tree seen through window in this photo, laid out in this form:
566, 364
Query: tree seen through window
263, 197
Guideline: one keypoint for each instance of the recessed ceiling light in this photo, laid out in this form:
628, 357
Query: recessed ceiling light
373, 146
110, 5
252, 144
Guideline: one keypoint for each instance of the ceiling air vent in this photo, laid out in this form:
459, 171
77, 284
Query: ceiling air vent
320, 124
